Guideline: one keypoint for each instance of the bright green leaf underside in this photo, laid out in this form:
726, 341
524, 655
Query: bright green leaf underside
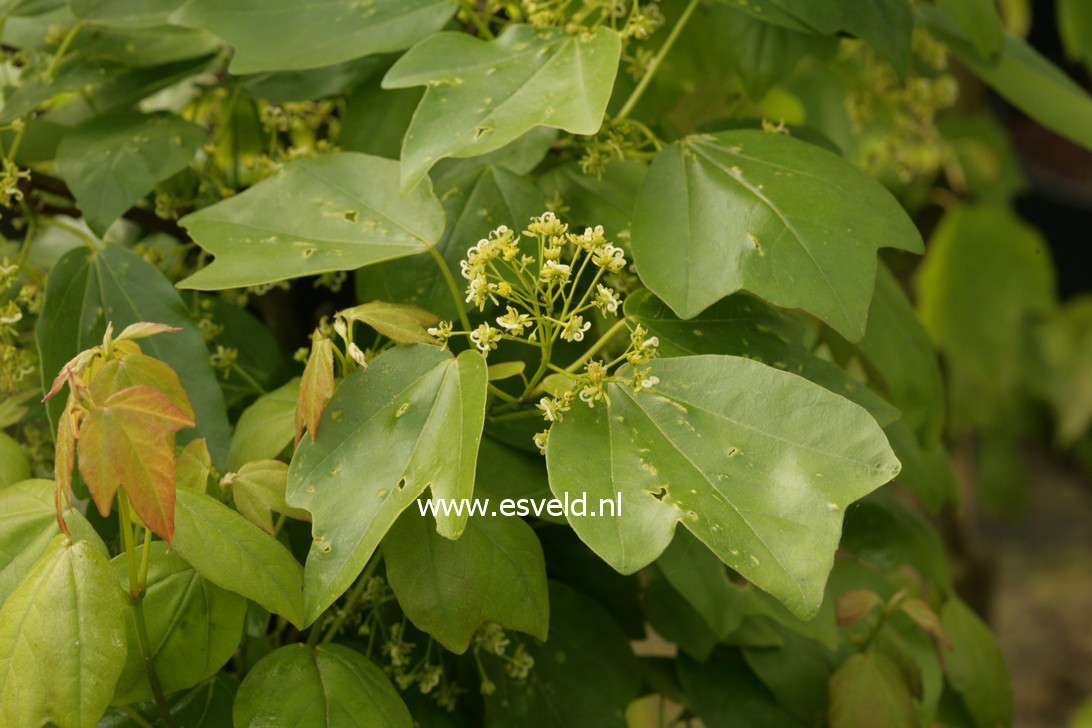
286, 35
411, 420
759, 464
329, 213
482, 95
751, 210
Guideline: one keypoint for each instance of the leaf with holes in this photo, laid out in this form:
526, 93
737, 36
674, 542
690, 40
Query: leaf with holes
482, 95
329, 213
763, 212
764, 487
412, 420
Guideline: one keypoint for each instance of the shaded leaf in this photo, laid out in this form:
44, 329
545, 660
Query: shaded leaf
258, 491
331, 685
742, 325
976, 667
328, 213
412, 420
494, 573
111, 162
193, 467
855, 605
980, 21
763, 212
693, 450
868, 691
726, 694
482, 95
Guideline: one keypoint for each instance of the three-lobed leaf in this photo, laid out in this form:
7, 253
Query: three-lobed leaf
412, 420
752, 210
764, 487
127, 441
329, 213
482, 95
111, 162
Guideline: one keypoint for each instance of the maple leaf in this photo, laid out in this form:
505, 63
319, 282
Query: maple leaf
127, 441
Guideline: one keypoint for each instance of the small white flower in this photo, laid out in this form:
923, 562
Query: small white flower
514, 321
607, 299
486, 338
541, 439
553, 409
552, 272
610, 257
574, 329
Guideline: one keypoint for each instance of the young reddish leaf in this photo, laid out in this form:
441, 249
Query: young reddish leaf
128, 441
925, 618
64, 460
855, 605
144, 329
316, 387
131, 370
73, 368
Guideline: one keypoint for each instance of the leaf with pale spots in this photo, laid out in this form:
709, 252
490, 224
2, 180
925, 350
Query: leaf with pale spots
758, 463
329, 213
752, 210
410, 421
316, 387
283, 35
482, 95
128, 441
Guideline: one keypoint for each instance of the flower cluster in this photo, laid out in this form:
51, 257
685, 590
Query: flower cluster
17, 299
538, 276
492, 640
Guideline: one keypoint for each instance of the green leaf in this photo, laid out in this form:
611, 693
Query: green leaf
1024, 77
28, 523
400, 323
475, 202
884, 534
193, 467
765, 488
725, 692
1075, 29
266, 427
258, 492
411, 420
976, 667
336, 31
985, 275
236, 555
869, 690
676, 620
331, 685
482, 95
87, 289
584, 675
111, 162
899, 354
1066, 343
14, 466
886, 25
376, 118
62, 639
742, 325
128, 13
786, 220
143, 47
494, 573
193, 626
797, 673
980, 22
329, 213
926, 469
